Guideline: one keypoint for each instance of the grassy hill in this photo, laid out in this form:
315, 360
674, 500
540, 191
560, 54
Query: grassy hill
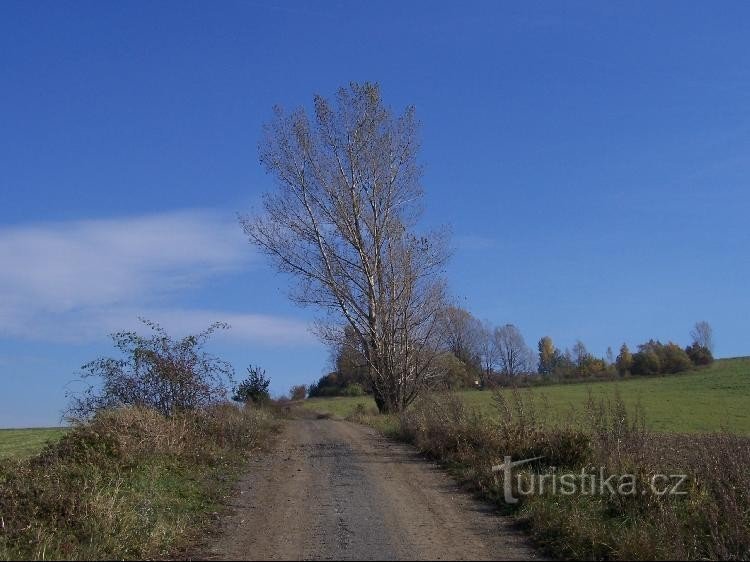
709, 399
19, 443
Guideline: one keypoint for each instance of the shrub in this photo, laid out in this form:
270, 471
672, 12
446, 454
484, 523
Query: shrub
155, 372
646, 363
298, 392
654, 357
699, 355
254, 388
674, 359
353, 389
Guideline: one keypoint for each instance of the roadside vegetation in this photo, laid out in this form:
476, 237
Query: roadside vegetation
695, 424
153, 449
711, 520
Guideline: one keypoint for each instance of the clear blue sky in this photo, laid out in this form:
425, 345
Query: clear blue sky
592, 159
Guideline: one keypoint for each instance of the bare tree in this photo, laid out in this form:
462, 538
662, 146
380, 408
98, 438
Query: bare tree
463, 334
488, 352
342, 222
703, 335
513, 355
580, 353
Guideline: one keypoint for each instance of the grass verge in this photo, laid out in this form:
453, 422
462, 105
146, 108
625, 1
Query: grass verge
130, 484
711, 520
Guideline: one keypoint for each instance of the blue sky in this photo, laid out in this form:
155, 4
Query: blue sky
592, 160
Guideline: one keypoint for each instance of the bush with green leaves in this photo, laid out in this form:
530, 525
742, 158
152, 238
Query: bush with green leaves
655, 358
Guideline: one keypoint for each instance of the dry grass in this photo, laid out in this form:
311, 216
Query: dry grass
129, 484
712, 521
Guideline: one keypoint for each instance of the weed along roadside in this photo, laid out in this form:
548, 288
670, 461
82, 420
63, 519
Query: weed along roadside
129, 484
598, 487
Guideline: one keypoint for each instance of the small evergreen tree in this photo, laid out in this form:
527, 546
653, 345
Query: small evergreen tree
254, 388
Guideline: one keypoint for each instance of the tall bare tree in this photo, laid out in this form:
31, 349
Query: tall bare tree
342, 221
513, 355
703, 335
463, 334
488, 352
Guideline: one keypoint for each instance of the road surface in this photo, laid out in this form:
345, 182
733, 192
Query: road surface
340, 491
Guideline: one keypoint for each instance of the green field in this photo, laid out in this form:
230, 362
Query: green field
19, 443
710, 399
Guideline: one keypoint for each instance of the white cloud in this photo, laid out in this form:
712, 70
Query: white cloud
63, 266
76, 281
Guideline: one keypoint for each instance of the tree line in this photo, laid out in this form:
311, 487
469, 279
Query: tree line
477, 354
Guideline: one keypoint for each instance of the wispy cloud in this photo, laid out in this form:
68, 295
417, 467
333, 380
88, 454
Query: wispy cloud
76, 281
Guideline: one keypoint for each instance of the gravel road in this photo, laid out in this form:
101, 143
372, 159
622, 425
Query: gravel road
334, 490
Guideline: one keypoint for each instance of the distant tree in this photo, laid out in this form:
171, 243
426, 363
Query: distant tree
156, 371
327, 385
488, 353
254, 388
646, 362
699, 355
624, 361
457, 375
610, 356
512, 353
463, 333
349, 359
703, 335
547, 356
298, 392
565, 366
673, 359
580, 354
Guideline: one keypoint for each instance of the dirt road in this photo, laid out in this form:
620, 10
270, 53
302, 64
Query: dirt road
336, 490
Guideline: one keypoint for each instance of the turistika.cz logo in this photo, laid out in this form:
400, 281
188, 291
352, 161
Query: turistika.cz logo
587, 482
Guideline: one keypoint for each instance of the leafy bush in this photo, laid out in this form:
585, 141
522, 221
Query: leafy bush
674, 359
155, 372
298, 392
646, 363
699, 354
353, 389
654, 358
